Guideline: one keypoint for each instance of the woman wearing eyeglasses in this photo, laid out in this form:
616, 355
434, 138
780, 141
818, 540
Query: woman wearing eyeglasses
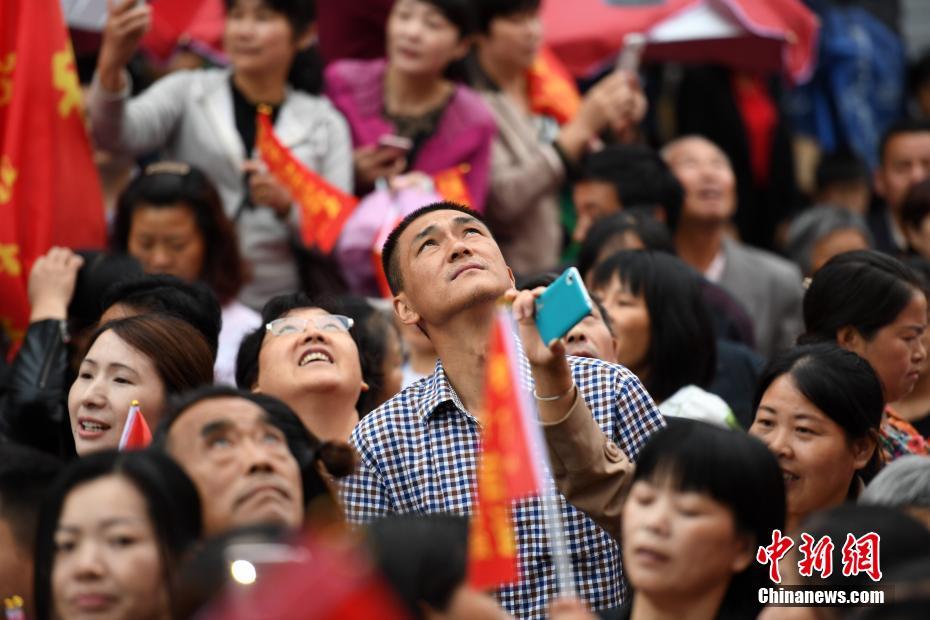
306, 356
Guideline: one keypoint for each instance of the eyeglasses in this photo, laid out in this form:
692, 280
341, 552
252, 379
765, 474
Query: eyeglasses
288, 325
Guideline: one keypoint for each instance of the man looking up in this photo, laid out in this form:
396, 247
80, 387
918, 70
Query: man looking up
418, 451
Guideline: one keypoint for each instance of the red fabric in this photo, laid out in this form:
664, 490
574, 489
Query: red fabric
325, 207
136, 434
552, 90
173, 20
49, 189
759, 117
506, 469
781, 35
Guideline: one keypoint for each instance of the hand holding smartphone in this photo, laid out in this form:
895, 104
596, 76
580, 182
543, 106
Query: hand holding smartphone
562, 305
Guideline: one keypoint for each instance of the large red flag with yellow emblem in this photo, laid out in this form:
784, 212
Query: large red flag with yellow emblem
49, 190
509, 467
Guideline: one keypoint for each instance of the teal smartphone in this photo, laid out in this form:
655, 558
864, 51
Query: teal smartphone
562, 305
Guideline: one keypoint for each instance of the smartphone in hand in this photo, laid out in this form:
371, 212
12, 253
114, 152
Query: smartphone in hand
562, 306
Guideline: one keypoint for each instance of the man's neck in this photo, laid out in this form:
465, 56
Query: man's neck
462, 345
699, 607
699, 243
257, 89
327, 414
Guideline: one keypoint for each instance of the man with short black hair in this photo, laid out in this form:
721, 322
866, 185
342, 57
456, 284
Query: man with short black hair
904, 161
249, 456
418, 452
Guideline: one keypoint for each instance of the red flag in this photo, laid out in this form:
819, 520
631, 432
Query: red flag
551, 88
450, 184
136, 434
508, 468
325, 208
49, 188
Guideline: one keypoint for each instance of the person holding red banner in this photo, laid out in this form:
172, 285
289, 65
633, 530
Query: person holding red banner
544, 127
419, 451
404, 111
208, 117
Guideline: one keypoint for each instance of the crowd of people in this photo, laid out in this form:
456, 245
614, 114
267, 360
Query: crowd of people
752, 367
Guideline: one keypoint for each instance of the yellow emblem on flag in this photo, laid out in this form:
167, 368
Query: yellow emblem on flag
9, 260
8, 176
65, 79
6, 78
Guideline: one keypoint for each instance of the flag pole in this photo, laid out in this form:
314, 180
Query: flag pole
552, 513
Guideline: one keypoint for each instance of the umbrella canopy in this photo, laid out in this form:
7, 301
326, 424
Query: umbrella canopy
768, 35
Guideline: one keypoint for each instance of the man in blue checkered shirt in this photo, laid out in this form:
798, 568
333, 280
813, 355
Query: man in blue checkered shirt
418, 451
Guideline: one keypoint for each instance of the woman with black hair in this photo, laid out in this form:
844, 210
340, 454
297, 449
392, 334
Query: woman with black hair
702, 500
818, 409
663, 330
874, 305
408, 97
209, 117
113, 529
543, 131
171, 219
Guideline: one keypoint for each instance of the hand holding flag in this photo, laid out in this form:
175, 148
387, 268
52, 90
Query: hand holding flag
136, 434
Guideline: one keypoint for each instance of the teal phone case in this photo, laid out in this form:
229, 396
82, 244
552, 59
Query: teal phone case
562, 305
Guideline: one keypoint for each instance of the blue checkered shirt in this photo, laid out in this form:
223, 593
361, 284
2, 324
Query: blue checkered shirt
418, 454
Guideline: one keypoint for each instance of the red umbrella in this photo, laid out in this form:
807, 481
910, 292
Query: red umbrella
769, 35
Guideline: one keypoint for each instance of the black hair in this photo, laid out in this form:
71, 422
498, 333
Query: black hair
25, 475
604, 230
916, 205
919, 73
172, 184
841, 166
388, 253
640, 177
306, 68
487, 11
307, 449
247, 369
683, 347
422, 557
737, 471
371, 331
840, 384
898, 128
170, 497
864, 289
459, 13
192, 302
100, 271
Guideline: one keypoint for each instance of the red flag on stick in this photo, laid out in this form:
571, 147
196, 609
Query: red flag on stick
49, 189
325, 208
508, 468
136, 434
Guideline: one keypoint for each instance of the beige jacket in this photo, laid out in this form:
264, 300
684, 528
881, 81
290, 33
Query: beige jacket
589, 469
522, 208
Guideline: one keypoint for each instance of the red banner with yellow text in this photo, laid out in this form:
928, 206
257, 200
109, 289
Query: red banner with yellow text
552, 90
324, 208
49, 189
508, 468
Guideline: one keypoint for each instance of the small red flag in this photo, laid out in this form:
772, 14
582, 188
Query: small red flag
551, 88
450, 184
325, 208
508, 468
136, 434
49, 189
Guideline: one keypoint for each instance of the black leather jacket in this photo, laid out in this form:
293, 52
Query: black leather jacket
34, 400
